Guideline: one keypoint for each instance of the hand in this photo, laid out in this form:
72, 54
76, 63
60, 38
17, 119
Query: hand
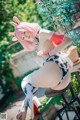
43, 54
21, 116
15, 22
40, 54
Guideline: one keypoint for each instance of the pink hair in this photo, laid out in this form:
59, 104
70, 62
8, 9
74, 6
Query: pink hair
33, 28
21, 27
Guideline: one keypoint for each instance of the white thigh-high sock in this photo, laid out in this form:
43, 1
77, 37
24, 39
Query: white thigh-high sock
29, 89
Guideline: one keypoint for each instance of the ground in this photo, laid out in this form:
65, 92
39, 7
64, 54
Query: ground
13, 108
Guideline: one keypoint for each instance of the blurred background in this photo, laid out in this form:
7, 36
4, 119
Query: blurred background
56, 15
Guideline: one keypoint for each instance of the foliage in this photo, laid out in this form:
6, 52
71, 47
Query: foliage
47, 101
10, 98
58, 15
75, 84
19, 79
78, 49
5, 71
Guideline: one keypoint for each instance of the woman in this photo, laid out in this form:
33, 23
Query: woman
55, 72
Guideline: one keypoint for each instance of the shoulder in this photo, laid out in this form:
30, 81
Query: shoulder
45, 34
44, 31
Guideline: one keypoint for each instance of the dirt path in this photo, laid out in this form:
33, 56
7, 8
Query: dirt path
12, 109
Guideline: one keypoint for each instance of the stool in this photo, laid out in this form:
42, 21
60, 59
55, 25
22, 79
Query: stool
67, 104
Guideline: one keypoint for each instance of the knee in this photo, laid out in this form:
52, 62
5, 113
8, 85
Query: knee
22, 84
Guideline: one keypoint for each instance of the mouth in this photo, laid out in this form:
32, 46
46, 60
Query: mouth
31, 42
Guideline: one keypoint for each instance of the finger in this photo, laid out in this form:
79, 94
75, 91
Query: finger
18, 116
11, 33
14, 39
14, 24
21, 118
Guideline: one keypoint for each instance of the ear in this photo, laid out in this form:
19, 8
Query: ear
16, 20
14, 39
14, 24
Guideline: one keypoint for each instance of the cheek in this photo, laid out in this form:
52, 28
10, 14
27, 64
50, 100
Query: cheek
31, 35
26, 33
22, 36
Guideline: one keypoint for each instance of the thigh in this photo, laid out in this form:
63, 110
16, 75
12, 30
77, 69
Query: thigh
48, 76
64, 83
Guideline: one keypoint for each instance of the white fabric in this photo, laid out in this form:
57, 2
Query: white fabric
65, 58
28, 88
29, 94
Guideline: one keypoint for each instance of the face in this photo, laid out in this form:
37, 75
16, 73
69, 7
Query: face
27, 41
27, 36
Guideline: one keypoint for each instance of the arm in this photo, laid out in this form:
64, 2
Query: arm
66, 42
44, 37
45, 44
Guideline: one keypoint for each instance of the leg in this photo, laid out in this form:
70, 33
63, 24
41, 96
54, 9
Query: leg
23, 109
64, 83
30, 100
75, 68
70, 53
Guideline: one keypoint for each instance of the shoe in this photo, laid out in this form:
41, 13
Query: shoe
35, 105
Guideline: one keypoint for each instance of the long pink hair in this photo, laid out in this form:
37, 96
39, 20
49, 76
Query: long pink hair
21, 27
